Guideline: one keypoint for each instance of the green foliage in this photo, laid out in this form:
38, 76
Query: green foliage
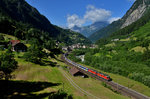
60, 95
2, 38
137, 76
109, 87
119, 60
102, 42
146, 55
146, 80
7, 63
74, 58
35, 53
126, 61
75, 53
140, 77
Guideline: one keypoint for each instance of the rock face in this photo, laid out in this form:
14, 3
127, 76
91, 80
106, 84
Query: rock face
134, 15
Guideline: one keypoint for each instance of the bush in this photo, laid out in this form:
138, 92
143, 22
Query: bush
137, 76
146, 80
34, 53
60, 95
1, 38
7, 63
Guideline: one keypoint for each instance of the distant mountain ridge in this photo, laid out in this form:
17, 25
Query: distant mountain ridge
21, 11
89, 30
138, 9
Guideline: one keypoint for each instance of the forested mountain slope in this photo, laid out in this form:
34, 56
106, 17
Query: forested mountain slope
127, 55
138, 9
18, 14
125, 52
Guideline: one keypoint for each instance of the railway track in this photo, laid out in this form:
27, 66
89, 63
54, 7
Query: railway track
76, 86
119, 88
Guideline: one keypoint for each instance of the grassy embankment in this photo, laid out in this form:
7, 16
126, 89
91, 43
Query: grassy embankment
137, 86
36, 76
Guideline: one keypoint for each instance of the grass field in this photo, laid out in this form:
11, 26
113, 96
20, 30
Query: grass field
36, 73
95, 87
35, 81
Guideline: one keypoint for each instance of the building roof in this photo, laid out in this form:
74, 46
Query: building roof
14, 42
74, 70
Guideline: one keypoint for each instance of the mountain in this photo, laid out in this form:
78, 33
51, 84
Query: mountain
125, 52
19, 11
89, 30
138, 9
128, 50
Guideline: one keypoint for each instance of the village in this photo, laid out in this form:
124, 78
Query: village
78, 46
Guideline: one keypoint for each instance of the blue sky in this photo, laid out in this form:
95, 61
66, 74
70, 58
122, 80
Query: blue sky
81, 12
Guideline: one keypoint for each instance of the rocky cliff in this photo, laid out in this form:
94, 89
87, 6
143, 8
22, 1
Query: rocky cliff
136, 12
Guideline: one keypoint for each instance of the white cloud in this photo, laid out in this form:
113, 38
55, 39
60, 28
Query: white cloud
96, 14
113, 19
92, 14
73, 20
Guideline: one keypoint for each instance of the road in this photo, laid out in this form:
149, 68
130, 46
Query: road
121, 89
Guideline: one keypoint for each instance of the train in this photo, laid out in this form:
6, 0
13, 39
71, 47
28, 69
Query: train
95, 73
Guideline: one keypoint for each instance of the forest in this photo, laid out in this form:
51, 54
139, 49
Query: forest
124, 53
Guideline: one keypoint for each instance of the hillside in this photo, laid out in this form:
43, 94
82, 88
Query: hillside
18, 15
41, 81
125, 53
90, 29
138, 9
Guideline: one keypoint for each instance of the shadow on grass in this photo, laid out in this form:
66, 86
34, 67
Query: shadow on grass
45, 63
23, 89
60, 60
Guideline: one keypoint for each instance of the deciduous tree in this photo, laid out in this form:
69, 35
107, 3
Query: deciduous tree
7, 63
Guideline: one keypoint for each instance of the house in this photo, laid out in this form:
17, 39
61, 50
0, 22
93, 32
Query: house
65, 48
18, 46
115, 40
